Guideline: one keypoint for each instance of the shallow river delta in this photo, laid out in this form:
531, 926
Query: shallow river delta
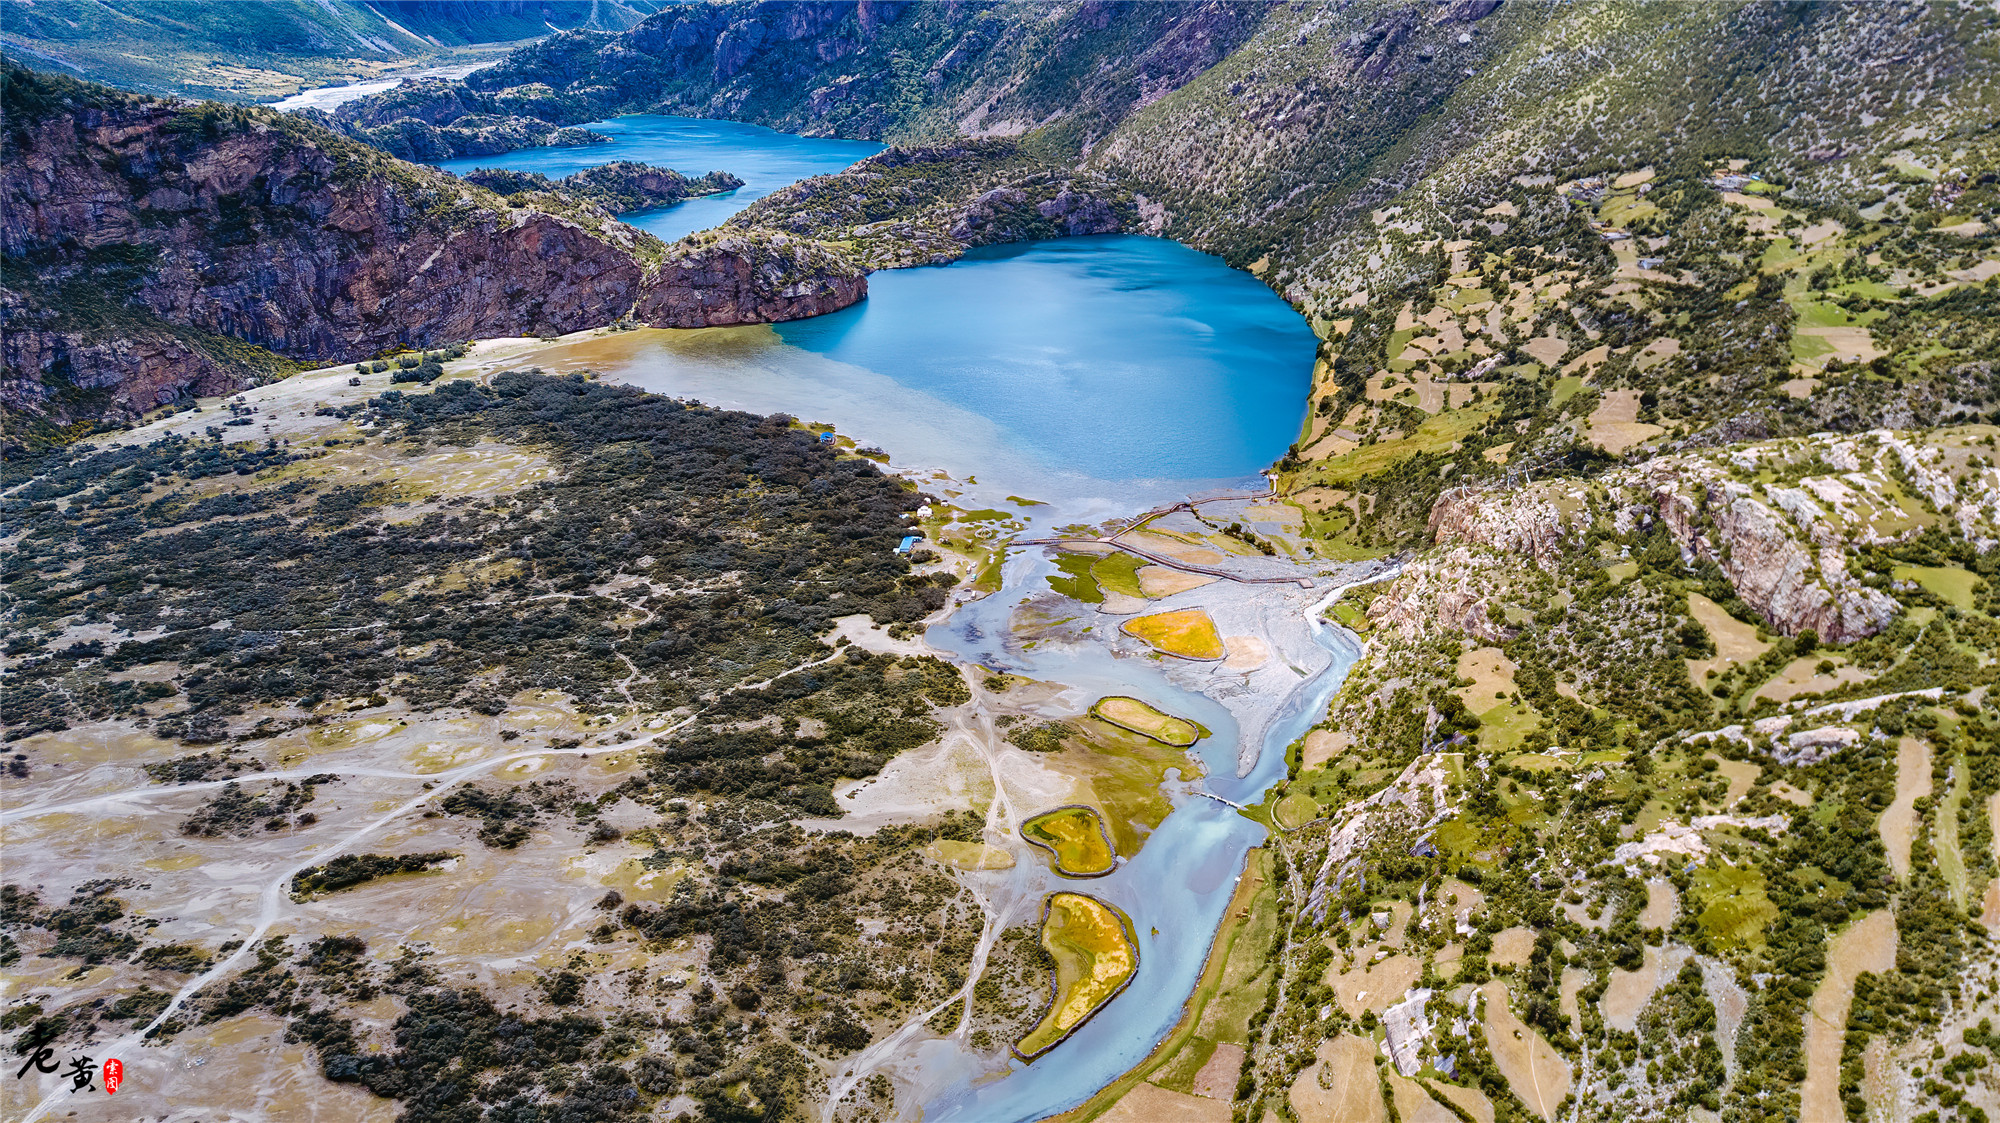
1512, 640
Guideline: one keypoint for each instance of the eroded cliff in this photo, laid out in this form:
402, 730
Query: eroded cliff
153, 249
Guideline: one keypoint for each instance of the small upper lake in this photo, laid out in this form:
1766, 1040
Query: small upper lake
763, 159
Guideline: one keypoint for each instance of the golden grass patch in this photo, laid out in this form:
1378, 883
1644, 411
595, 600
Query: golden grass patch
1076, 836
969, 856
1735, 641
1323, 745
1096, 956
1150, 1103
1376, 988
1160, 581
1188, 633
1615, 425
1899, 822
1492, 675
1536, 1072
1137, 716
1340, 1086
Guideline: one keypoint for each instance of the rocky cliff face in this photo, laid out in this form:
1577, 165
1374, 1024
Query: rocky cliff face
262, 229
1780, 519
842, 67
154, 249
749, 277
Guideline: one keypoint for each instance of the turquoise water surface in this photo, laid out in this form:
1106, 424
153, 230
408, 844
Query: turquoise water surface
1052, 367
763, 159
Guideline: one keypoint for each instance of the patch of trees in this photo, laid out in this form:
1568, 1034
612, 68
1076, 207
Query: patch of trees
763, 534
349, 870
233, 811
507, 816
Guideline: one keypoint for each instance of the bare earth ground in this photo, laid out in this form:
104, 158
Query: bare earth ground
1913, 782
1867, 945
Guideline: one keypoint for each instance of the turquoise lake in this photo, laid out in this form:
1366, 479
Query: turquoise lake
763, 159
1052, 369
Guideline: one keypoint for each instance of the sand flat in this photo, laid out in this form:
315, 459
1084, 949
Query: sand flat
1537, 1073
1899, 822
1867, 945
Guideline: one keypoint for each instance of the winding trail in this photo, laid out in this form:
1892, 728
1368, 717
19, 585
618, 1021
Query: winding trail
1000, 819
274, 897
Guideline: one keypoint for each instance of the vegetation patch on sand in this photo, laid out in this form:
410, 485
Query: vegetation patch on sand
1096, 955
350, 870
1187, 633
1143, 719
969, 856
1076, 835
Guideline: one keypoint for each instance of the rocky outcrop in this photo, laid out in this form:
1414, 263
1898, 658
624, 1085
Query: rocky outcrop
1797, 582
616, 187
134, 230
1450, 590
431, 119
155, 249
291, 240
1783, 546
928, 205
741, 277
839, 67
1540, 523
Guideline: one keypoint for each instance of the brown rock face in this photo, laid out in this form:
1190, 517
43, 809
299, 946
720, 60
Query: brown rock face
749, 278
134, 232
300, 241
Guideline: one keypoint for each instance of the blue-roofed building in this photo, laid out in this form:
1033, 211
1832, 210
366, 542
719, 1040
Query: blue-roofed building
909, 541
826, 438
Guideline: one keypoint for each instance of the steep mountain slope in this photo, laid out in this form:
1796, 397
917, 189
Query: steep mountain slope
877, 69
251, 52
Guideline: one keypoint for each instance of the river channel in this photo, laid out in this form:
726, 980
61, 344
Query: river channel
1099, 376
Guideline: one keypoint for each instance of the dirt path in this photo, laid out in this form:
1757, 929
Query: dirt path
275, 895
1867, 945
1899, 823
973, 723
